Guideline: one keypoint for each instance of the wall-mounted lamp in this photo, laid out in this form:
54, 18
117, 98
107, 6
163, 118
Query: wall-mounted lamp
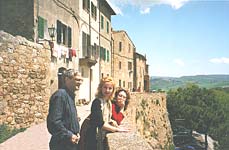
52, 31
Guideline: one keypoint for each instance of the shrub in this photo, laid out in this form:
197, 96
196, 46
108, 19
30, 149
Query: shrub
6, 132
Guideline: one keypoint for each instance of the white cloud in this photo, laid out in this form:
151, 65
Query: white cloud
222, 60
115, 7
145, 11
175, 4
179, 62
145, 5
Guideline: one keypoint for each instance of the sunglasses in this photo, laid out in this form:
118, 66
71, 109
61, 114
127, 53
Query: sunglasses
67, 73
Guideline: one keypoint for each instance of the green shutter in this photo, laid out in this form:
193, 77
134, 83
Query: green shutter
104, 54
69, 37
107, 27
108, 56
59, 28
40, 27
102, 23
101, 53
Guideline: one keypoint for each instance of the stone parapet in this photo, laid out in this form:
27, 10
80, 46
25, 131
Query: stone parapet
147, 118
24, 81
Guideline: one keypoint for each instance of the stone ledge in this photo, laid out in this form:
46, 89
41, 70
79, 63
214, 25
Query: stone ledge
126, 141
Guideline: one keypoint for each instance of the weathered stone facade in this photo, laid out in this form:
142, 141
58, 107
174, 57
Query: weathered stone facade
24, 81
123, 60
25, 75
140, 72
148, 120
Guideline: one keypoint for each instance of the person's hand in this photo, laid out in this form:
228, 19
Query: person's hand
122, 129
75, 138
113, 123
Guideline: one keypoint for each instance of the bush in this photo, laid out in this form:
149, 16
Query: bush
6, 132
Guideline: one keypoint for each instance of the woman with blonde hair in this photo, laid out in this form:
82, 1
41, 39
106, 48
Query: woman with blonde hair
100, 121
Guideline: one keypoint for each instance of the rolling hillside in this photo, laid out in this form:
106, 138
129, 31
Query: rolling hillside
207, 81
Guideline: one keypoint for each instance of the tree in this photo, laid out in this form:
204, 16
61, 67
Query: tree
197, 106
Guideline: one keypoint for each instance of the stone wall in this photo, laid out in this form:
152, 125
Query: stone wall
24, 81
148, 120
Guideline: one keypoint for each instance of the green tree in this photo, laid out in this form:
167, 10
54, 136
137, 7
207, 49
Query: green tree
197, 106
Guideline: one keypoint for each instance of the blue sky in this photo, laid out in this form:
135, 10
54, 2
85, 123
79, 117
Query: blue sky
178, 37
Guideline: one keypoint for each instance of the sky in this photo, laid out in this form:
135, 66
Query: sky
178, 37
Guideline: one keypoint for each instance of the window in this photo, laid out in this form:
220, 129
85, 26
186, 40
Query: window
42, 27
123, 83
130, 74
69, 37
120, 83
120, 65
129, 65
120, 46
86, 5
129, 48
93, 11
86, 44
94, 50
102, 22
108, 27
64, 34
108, 56
103, 53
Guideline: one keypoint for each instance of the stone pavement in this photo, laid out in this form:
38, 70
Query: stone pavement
37, 136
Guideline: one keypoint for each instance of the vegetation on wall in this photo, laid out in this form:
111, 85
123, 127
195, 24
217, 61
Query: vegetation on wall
6, 132
203, 110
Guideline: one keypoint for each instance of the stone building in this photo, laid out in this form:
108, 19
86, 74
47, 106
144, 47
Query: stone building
96, 44
141, 76
78, 31
123, 59
129, 68
105, 39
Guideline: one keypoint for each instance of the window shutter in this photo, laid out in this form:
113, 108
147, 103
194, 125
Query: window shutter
101, 53
40, 27
69, 37
64, 27
108, 56
104, 54
108, 27
102, 23
84, 43
58, 31
88, 45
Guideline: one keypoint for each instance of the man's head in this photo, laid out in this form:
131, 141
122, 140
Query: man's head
71, 79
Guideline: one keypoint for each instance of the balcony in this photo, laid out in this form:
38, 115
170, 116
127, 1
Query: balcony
87, 61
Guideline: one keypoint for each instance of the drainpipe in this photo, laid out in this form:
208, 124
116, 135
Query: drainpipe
99, 38
89, 52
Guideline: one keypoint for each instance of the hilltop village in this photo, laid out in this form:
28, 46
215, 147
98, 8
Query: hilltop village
80, 36
38, 37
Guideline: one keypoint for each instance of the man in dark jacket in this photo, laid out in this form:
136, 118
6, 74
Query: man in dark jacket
62, 120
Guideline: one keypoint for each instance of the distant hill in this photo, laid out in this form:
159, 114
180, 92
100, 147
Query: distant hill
207, 81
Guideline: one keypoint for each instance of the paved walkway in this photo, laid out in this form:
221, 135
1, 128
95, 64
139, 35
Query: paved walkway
37, 137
